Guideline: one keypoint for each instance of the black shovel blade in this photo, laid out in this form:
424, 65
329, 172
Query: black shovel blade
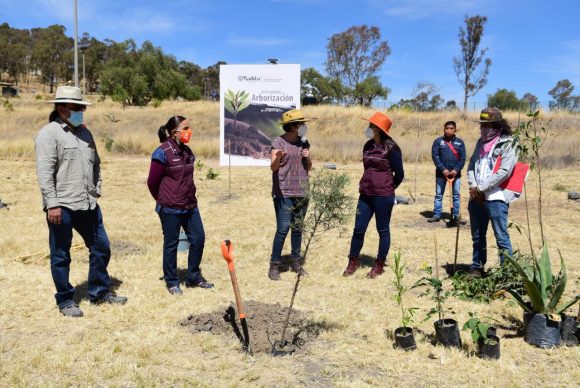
246, 342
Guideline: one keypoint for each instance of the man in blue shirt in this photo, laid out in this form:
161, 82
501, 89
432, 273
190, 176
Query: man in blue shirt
448, 154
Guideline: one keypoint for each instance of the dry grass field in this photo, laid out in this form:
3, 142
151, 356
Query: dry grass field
143, 344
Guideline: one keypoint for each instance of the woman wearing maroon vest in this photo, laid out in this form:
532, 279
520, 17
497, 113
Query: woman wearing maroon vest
383, 173
171, 184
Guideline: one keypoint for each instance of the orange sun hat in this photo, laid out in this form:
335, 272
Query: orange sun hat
381, 120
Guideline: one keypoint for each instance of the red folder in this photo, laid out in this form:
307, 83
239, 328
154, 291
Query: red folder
515, 182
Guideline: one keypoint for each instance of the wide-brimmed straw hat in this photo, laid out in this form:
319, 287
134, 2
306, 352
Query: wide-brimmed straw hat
69, 94
490, 115
293, 116
381, 120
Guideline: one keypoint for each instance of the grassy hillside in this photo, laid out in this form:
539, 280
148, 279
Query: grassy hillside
337, 134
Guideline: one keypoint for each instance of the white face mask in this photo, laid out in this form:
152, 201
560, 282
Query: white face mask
369, 133
302, 130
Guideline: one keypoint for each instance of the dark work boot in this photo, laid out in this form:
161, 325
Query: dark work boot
352, 266
274, 271
378, 269
297, 267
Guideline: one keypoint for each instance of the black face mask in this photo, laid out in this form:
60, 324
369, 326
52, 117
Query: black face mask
489, 133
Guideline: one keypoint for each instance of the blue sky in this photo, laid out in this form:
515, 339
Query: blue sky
532, 44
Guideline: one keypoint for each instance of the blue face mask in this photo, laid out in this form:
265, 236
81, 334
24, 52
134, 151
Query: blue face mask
76, 118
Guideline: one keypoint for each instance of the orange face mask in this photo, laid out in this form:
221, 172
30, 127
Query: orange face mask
185, 135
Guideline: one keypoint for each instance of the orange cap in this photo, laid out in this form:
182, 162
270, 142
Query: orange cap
381, 120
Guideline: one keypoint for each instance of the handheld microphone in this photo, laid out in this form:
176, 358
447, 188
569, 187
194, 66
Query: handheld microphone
305, 145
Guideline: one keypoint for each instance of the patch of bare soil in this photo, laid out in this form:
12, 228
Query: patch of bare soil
265, 323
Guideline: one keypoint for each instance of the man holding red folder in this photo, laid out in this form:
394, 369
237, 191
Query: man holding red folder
491, 165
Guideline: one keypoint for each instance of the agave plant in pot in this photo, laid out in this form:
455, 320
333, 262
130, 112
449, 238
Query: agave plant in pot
541, 302
484, 335
404, 336
446, 329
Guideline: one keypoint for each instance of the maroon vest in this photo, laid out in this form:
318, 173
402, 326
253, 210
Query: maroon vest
378, 175
177, 189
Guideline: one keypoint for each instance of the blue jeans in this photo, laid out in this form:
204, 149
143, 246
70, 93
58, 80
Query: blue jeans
289, 213
382, 208
440, 184
171, 224
89, 224
479, 217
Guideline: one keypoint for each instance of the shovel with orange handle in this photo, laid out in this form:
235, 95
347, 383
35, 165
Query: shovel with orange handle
228, 253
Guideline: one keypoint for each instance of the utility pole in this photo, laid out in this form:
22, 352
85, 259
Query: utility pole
83, 47
76, 48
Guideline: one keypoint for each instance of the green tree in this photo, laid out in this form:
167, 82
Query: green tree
52, 53
355, 55
504, 99
471, 68
136, 76
530, 101
211, 79
14, 51
368, 90
321, 89
451, 105
424, 98
561, 93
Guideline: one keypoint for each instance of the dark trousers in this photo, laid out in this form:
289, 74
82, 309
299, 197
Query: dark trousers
89, 224
382, 208
289, 215
191, 223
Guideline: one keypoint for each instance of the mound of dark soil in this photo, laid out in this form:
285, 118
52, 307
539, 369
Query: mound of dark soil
265, 323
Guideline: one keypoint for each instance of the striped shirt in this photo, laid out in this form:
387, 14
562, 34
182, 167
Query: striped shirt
291, 179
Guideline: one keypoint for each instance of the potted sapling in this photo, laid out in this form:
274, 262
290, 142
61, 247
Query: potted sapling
484, 335
404, 336
541, 301
446, 329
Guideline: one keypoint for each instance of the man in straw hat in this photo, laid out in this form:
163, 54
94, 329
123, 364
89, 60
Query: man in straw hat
492, 162
69, 176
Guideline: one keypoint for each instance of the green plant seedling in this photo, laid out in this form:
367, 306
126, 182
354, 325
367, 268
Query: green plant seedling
211, 174
434, 289
398, 269
478, 328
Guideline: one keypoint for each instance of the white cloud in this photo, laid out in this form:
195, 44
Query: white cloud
420, 9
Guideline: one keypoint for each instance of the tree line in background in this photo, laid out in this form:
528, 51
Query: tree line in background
135, 75
128, 74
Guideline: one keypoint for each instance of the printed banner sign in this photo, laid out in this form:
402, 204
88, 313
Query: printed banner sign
252, 100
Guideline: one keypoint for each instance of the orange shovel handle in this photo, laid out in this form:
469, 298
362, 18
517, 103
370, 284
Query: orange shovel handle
228, 254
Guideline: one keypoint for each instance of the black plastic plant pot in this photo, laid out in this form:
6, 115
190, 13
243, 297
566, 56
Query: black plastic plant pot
282, 348
489, 349
447, 333
541, 331
569, 330
405, 338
